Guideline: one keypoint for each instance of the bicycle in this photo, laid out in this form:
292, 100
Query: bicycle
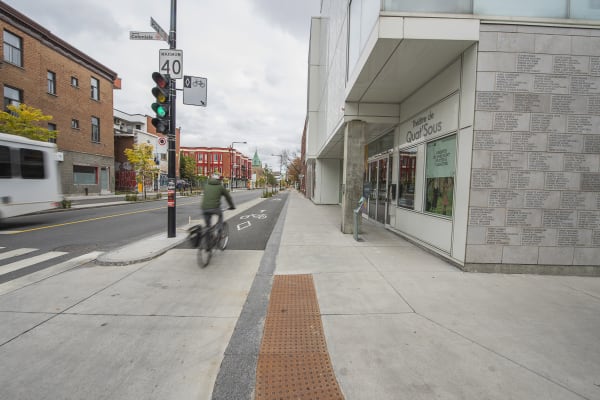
209, 238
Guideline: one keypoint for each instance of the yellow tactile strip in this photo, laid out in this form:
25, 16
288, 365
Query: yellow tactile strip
293, 362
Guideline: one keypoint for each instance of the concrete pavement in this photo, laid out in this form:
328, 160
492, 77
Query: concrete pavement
399, 322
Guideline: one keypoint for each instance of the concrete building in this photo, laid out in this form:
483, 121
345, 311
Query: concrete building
472, 127
45, 72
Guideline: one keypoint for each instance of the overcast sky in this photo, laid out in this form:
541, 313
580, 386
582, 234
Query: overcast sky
254, 54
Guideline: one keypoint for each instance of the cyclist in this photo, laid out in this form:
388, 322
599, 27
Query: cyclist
211, 202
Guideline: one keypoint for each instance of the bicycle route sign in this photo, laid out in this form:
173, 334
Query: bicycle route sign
194, 90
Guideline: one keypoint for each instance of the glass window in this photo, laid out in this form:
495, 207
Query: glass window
434, 6
5, 168
12, 96
75, 123
13, 49
439, 176
520, 8
32, 164
52, 128
95, 130
51, 82
74, 82
407, 178
363, 15
585, 9
83, 175
95, 86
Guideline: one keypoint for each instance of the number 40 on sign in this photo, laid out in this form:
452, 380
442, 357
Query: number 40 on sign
171, 62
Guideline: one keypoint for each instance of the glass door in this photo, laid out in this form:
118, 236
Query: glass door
372, 184
382, 181
378, 178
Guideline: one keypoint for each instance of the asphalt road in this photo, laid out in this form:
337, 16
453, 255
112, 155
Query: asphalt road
251, 229
56, 237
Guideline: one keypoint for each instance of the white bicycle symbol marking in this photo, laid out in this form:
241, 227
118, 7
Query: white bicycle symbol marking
256, 216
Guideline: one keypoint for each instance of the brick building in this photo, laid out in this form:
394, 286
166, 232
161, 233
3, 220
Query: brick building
226, 161
43, 71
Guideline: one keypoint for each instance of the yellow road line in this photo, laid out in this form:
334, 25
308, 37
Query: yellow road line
86, 220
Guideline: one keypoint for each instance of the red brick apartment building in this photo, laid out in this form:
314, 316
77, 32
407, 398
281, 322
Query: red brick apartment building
226, 161
43, 71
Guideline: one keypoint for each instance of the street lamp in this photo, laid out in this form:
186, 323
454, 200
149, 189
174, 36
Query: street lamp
231, 163
280, 166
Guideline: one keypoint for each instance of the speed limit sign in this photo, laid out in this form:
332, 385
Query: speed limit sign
170, 61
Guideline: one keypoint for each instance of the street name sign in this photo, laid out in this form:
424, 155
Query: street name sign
170, 62
163, 34
135, 35
194, 90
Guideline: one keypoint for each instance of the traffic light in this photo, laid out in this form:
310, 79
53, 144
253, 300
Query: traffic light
161, 106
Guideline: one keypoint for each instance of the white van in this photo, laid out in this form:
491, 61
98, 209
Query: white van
29, 180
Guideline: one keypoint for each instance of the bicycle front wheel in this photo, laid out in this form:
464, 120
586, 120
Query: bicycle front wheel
204, 250
224, 238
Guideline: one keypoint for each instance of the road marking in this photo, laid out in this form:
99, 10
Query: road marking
5, 269
15, 253
37, 276
243, 225
256, 216
86, 220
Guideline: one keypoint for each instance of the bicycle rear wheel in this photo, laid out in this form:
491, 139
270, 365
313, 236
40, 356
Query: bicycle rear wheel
204, 250
224, 238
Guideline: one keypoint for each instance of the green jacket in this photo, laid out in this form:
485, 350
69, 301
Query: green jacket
213, 191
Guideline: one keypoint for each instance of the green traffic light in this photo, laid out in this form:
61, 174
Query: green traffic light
159, 109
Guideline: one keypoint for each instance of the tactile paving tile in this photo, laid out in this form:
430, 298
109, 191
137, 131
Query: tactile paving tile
293, 362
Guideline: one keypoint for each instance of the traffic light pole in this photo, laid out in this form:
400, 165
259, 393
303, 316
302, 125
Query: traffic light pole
172, 130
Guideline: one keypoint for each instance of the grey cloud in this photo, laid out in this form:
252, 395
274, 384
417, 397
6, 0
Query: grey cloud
291, 16
93, 17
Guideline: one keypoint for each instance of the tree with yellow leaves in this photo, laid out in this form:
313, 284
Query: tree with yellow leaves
141, 157
23, 120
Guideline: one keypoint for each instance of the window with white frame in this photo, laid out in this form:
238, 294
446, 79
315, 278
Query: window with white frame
95, 88
440, 171
13, 49
12, 96
51, 82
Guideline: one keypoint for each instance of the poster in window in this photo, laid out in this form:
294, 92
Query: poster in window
407, 178
439, 173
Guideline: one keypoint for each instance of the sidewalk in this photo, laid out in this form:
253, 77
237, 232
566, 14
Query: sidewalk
402, 323
399, 323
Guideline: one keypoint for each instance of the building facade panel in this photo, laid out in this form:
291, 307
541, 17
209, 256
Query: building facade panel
493, 162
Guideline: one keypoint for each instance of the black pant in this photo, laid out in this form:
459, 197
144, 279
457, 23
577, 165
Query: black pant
209, 212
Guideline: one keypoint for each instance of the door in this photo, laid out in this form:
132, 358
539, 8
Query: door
378, 178
382, 183
104, 180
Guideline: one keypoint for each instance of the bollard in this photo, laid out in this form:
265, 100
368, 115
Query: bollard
357, 216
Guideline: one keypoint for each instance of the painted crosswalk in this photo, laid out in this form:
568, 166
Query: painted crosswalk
14, 260
55, 269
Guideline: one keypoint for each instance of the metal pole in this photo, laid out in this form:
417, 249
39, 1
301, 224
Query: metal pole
171, 211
